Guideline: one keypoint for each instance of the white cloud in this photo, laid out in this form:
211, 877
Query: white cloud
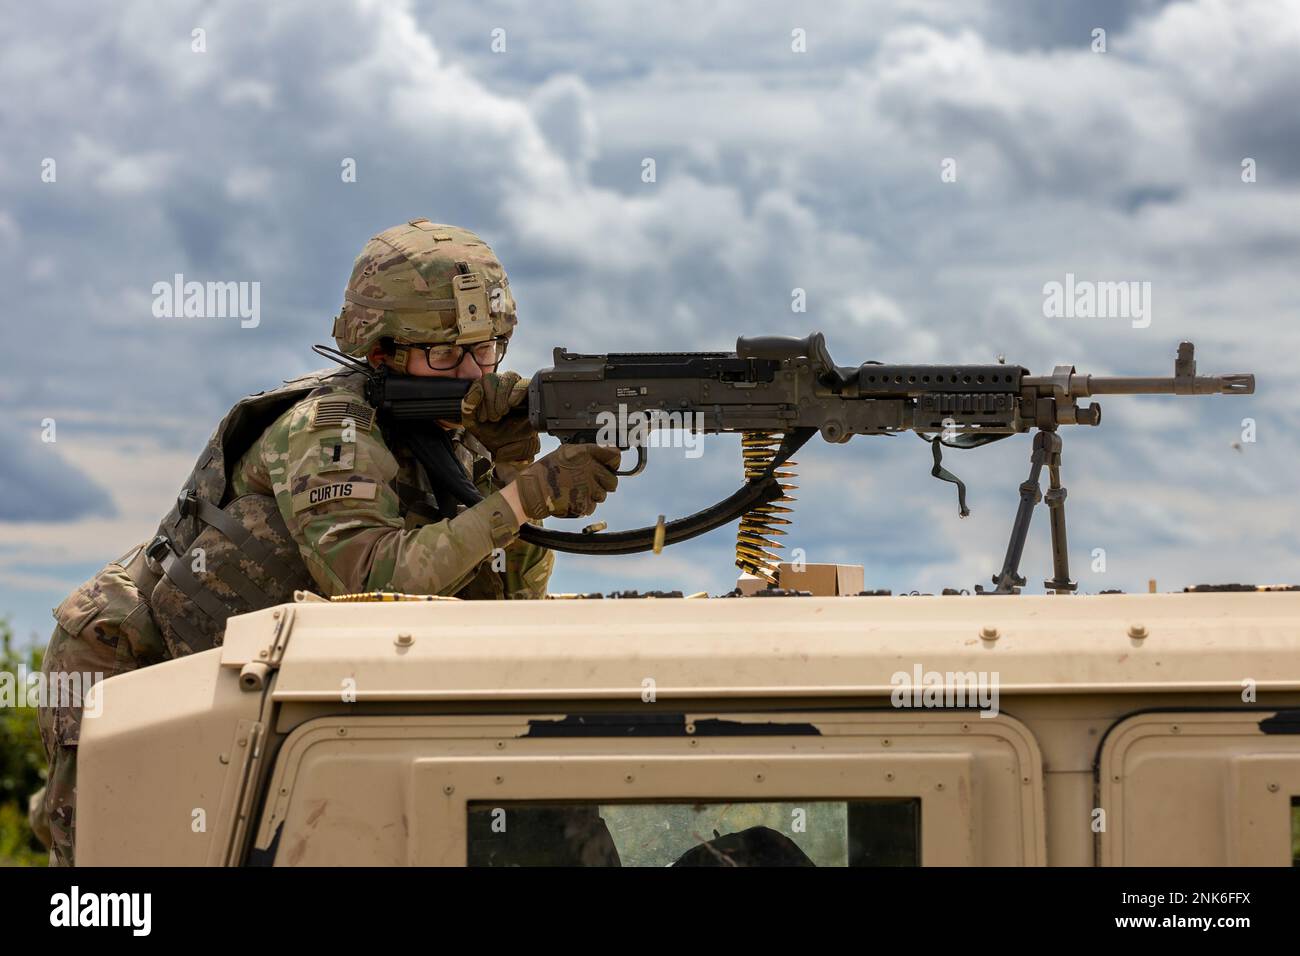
562, 106
41, 269
775, 170
245, 183
10, 231
253, 92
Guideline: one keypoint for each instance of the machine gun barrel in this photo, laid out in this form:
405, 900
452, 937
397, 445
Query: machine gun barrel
1083, 386
1069, 384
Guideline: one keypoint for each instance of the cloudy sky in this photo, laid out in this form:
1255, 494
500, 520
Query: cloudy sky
776, 167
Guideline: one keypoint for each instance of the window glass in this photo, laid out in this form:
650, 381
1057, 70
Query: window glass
1295, 831
879, 832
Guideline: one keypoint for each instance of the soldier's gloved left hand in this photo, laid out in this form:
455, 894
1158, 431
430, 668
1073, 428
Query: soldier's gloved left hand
486, 411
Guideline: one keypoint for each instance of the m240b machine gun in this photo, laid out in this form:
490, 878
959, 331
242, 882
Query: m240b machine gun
777, 392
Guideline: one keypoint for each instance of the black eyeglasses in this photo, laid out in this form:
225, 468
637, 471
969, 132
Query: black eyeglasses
444, 358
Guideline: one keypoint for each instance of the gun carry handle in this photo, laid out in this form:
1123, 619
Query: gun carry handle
782, 347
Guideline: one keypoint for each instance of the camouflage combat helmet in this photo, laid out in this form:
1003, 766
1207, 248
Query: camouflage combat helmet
424, 283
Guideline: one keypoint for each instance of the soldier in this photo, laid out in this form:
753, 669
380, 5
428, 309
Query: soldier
304, 487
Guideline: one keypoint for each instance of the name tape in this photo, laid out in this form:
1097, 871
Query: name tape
358, 488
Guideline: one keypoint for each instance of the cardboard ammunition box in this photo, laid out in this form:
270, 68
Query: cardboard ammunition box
821, 580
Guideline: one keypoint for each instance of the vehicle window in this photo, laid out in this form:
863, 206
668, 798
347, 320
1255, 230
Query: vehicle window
877, 832
1295, 831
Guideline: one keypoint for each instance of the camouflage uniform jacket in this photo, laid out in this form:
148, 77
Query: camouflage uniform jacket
361, 511
359, 514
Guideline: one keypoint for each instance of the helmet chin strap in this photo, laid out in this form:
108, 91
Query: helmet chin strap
350, 362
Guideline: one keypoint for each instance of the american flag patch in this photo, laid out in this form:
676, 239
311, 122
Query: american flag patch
338, 412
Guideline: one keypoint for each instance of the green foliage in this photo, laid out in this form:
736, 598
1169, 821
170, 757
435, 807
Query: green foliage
22, 762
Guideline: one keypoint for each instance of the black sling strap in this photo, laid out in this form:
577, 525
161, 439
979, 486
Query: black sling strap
179, 573
243, 539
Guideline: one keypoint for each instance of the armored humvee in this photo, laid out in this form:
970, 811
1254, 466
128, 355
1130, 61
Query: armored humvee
1114, 729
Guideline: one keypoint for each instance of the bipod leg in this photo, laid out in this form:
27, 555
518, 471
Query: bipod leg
1009, 580
1055, 499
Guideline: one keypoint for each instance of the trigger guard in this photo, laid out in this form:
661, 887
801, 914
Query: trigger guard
641, 459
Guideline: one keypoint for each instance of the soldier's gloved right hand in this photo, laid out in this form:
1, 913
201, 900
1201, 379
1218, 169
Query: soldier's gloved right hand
569, 482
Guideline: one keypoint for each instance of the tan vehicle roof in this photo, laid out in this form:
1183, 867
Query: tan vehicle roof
1132, 705
744, 647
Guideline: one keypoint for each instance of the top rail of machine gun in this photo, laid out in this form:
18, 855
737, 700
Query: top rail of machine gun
758, 358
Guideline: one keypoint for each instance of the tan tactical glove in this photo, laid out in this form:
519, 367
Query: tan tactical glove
569, 482
486, 413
